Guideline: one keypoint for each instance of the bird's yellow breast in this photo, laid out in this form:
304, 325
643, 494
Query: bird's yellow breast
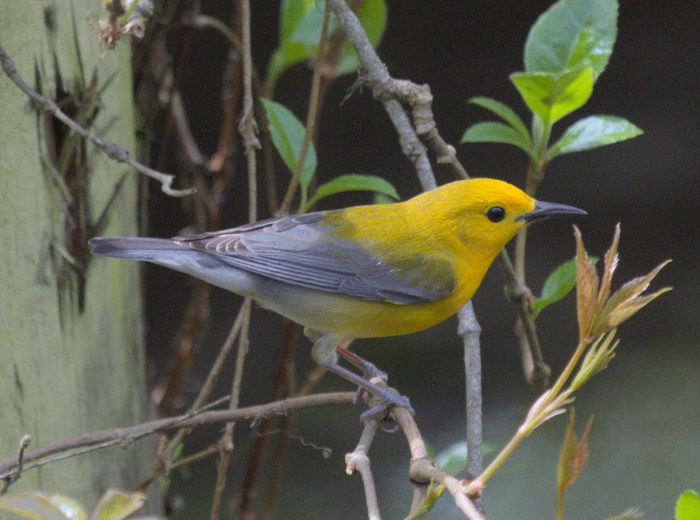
425, 241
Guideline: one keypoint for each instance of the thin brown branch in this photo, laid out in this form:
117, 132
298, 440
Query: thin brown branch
187, 341
282, 385
377, 76
112, 150
213, 375
226, 441
310, 118
390, 92
195, 457
535, 175
273, 485
162, 465
247, 125
202, 21
311, 380
247, 128
230, 94
217, 160
127, 435
184, 132
536, 371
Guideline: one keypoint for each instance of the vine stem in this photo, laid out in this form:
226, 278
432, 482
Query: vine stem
247, 128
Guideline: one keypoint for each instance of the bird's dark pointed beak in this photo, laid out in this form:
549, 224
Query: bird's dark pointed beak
545, 210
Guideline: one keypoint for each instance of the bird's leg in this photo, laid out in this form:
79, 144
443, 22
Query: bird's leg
369, 370
325, 352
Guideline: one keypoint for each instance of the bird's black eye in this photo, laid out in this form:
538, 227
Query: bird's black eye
496, 214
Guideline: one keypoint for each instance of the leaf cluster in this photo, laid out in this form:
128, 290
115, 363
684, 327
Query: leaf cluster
300, 32
566, 51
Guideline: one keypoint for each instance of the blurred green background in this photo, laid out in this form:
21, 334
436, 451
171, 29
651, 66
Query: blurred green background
645, 442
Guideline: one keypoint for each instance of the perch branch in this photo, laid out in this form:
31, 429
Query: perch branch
472, 365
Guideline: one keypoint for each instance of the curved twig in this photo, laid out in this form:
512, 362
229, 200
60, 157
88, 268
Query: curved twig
112, 150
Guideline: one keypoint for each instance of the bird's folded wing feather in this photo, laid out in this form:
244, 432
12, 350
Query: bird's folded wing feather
301, 251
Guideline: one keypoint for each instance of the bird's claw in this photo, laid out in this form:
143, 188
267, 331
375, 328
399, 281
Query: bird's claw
359, 395
387, 400
376, 412
403, 401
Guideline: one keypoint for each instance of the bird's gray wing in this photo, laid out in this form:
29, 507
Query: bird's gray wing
301, 251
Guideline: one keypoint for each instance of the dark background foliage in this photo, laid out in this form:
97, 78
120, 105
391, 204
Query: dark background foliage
644, 444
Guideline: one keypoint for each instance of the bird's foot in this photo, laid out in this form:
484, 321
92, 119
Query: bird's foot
380, 410
375, 390
381, 401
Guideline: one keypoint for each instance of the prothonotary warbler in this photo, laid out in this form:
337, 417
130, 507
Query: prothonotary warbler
359, 272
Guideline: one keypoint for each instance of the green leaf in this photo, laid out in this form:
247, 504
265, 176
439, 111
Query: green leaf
38, 506
373, 16
307, 31
289, 51
557, 285
351, 182
493, 132
688, 506
287, 135
117, 505
552, 97
300, 31
504, 112
593, 132
572, 34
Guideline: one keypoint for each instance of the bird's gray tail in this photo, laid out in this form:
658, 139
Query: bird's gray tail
134, 248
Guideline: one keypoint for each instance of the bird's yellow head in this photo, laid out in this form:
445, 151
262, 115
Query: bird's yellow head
487, 213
